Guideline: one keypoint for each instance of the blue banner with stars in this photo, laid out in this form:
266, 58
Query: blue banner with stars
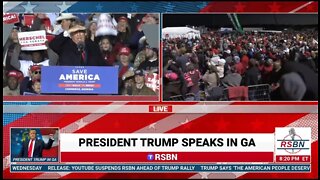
96, 6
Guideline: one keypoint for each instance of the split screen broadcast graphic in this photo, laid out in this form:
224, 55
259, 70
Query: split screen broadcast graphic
176, 59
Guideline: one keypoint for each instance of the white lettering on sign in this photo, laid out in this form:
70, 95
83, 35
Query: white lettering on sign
79, 77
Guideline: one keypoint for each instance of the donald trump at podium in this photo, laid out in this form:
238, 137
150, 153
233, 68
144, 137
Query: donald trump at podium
34, 147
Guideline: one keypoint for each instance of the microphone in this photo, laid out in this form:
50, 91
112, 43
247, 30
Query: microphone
80, 46
292, 133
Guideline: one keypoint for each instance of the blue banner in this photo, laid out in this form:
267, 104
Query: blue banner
79, 80
162, 168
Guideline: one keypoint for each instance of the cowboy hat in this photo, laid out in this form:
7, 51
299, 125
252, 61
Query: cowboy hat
76, 28
65, 16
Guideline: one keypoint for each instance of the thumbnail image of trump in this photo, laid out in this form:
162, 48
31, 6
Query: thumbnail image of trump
34, 142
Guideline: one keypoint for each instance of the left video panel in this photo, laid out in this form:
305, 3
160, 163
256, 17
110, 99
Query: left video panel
81, 56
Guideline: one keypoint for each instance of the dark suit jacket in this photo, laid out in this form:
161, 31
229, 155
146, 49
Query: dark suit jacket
38, 148
70, 56
251, 76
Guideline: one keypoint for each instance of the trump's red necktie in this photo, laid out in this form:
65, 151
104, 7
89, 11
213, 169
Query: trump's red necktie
30, 149
83, 60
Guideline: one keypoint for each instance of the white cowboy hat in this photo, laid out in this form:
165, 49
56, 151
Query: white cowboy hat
76, 28
65, 16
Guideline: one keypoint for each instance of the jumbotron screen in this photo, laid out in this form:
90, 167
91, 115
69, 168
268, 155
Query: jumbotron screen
160, 89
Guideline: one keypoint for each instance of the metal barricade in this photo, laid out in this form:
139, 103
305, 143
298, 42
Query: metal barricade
176, 98
259, 92
225, 95
181, 98
190, 97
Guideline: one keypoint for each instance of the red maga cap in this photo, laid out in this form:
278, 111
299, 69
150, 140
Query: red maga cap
35, 68
15, 74
125, 51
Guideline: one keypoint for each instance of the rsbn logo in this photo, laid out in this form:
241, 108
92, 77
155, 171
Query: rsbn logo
293, 143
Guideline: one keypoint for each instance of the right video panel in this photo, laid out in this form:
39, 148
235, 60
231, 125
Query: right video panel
240, 57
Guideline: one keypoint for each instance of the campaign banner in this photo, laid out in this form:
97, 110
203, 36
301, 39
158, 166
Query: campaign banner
10, 18
33, 40
79, 80
152, 81
28, 19
106, 25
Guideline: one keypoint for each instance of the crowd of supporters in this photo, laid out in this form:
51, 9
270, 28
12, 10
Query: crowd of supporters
83, 40
205, 67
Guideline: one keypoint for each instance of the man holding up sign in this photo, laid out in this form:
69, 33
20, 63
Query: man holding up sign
36, 50
33, 40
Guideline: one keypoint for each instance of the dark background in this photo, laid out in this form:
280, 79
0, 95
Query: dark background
252, 20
